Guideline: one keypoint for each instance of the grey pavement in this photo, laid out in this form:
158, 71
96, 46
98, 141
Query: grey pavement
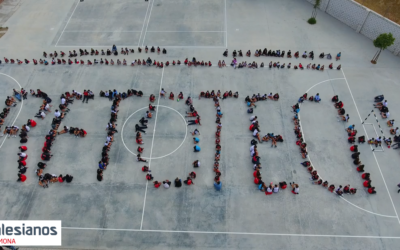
125, 212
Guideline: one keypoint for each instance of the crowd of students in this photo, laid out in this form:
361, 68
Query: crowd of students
10, 131
352, 133
44, 178
262, 186
111, 128
315, 177
113, 51
212, 94
54, 59
216, 97
277, 65
255, 98
279, 53
255, 158
382, 105
192, 113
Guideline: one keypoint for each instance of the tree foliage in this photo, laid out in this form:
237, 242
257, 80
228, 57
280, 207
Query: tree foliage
317, 3
384, 40
312, 20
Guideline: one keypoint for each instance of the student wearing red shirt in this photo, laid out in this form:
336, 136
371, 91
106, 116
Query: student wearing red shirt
365, 176
21, 178
149, 177
23, 148
85, 96
371, 190
21, 163
193, 122
188, 181
60, 178
31, 123
82, 133
367, 183
354, 148
360, 168
192, 175
157, 184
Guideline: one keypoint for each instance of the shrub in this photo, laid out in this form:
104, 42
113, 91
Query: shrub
312, 20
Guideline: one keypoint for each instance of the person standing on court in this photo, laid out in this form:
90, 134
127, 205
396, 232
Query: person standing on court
85, 96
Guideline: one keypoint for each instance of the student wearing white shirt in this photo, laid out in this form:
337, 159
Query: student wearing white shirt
22, 155
253, 118
162, 93
276, 189
41, 114
252, 148
166, 184
26, 128
295, 188
47, 107
385, 115
57, 113
269, 190
256, 135
381, 104
257, 166
378, 141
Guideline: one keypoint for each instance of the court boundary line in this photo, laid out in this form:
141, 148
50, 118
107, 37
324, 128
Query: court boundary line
309, 158
148, 21
226, 29
94, 31
151, 149
200, 31
141, 32
144, 21
235, 233
67, 23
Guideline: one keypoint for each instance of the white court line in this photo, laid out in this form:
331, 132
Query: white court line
144, 21
226, 29
377, 163
22, 103
186, 31
101, 31
67, 24
148, 21
236, 233
309, 158
152, 144
159, 157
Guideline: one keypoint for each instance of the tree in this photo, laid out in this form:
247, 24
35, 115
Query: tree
383, 41
316, 5
313, 19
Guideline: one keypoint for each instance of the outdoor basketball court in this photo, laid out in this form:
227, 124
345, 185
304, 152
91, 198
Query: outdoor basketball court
124, 211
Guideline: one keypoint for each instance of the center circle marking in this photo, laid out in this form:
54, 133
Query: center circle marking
159, 157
